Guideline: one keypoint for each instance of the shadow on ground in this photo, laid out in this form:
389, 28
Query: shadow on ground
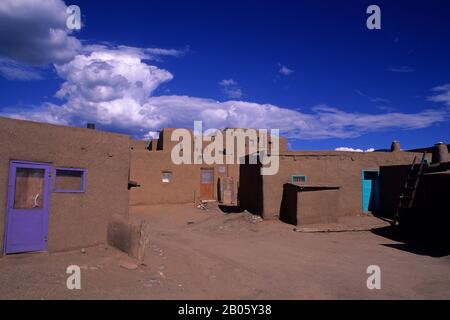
231, 209
418, 242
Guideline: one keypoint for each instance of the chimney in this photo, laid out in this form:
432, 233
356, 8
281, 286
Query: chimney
395, 146
90, 125
440, 153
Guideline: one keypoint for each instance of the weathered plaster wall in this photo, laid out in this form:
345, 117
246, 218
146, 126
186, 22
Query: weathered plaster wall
75, 219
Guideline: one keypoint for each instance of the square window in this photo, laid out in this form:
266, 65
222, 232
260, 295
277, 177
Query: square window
166, 176
69, 180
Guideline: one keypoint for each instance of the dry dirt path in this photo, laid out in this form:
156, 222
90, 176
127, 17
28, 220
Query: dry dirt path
196, 254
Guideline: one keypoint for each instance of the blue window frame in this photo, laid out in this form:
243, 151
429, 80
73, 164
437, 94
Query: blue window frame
299, 178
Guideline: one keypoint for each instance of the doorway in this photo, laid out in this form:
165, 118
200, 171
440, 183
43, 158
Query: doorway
206, 184
370, 190
27, 207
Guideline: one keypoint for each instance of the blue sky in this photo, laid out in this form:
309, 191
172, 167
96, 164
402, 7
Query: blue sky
310, 68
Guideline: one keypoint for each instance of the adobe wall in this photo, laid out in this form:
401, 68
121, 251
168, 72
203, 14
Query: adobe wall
147, 167
149, 160
314, 206
430, 210
303, 206
75, 219
323, 167
392, 180
430, 202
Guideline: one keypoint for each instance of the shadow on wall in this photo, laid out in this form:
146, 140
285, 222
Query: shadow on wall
219, 190
250, 192
288, 207
392, 180
425, 228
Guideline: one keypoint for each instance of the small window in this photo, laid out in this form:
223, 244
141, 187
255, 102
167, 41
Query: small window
222, 169
207, 176
166, 176
69, 180
29, 188
298, 178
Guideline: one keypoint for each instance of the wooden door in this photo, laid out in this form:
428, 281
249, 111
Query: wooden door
207, 184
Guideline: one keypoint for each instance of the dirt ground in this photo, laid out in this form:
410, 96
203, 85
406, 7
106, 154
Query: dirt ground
195, 254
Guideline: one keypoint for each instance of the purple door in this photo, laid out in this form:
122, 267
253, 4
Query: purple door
28, 204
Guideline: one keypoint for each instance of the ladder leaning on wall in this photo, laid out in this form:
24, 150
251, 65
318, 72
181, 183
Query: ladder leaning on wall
406, 199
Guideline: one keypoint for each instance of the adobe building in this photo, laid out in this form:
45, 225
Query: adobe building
163, 182
64, 187
314, 187
59, 185
306, 186
427, 213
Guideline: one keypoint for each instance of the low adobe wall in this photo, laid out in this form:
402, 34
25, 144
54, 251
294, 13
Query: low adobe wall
309, 205
75, 219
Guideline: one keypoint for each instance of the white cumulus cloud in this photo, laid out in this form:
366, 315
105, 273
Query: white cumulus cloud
34, 32
110, 86
115, 87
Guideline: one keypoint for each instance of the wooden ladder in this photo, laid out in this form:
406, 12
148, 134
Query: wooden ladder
408, 194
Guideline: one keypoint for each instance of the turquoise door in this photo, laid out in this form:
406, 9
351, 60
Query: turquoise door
370, 191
